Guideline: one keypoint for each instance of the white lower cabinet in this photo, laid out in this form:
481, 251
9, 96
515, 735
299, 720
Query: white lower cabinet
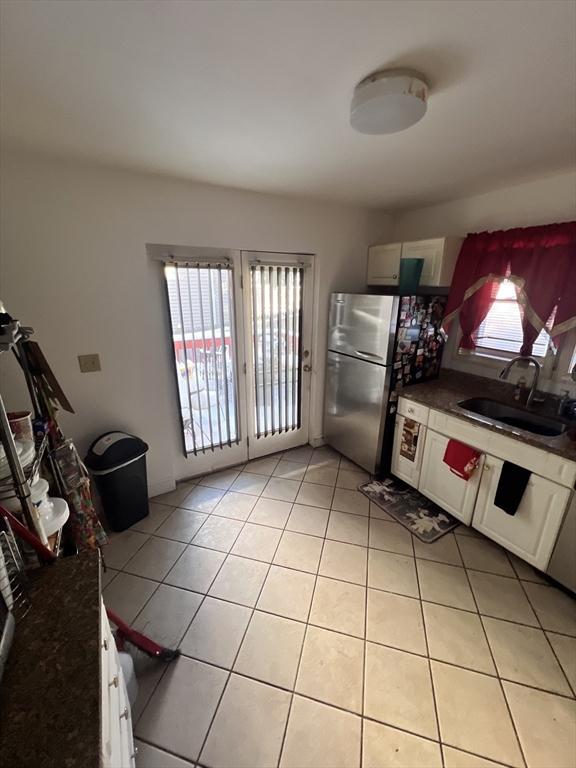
530, 533
438, 483
402, 467
116, 740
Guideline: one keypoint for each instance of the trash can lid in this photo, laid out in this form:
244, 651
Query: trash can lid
112, 449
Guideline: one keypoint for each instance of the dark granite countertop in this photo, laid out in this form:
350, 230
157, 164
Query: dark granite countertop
444, 394
50, 692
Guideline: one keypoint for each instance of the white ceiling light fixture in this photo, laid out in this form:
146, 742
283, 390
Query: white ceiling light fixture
388, 101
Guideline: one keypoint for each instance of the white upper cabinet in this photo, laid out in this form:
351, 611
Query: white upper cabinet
440, 255
384, 264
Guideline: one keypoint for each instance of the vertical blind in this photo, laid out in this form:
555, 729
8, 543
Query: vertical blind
200, 297
277, 341
501, 330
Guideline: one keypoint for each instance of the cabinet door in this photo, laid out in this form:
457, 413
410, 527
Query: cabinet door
432, 252
442, 486
106, 645
530, 533
407, 470
384, 264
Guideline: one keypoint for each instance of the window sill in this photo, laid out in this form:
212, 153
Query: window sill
503, 357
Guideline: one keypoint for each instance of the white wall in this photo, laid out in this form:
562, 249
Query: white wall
544, 201
74, 267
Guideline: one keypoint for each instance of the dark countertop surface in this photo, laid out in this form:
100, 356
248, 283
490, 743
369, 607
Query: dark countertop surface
50, 692
444, 394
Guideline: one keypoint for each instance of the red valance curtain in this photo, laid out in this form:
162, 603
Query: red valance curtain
541, 261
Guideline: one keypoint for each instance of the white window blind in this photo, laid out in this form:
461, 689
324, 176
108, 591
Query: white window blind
501, 330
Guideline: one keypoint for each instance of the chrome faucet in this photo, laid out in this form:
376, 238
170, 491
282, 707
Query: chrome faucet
537, 368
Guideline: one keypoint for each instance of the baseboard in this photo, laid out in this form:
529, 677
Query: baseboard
161, 486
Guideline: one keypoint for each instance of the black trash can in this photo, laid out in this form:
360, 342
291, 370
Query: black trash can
118, 462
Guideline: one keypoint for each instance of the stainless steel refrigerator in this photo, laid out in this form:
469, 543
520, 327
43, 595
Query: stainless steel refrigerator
376, 346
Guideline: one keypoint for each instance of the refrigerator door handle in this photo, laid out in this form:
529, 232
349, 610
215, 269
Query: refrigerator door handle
368, 354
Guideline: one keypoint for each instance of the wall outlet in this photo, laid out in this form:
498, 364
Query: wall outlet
89, 363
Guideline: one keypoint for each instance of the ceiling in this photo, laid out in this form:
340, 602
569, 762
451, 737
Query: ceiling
256, 94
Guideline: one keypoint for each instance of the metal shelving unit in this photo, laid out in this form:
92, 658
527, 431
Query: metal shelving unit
17, 485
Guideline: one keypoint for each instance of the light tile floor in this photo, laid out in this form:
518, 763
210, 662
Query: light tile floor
317, 633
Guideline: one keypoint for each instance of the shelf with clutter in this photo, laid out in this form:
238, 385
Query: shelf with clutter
45, 493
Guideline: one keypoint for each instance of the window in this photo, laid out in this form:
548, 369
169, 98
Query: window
203, 341
501, 331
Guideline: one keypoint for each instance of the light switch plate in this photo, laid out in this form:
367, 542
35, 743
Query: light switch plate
89, 363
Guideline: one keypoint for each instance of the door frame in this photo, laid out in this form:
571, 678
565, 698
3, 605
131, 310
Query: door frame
282, 441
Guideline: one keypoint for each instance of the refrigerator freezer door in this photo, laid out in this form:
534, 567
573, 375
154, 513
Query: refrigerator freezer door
363, 326
356, 396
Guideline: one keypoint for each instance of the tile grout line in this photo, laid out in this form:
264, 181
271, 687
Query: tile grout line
541, 626
365, 644
205, 595
428, 659
230, 672
503, 692
380, 644
307, 623
202, 601
339, 709
475, 612
282, 743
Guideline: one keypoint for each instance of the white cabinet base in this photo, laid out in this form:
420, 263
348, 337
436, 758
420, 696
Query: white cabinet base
530, 533
116, 739
441, 485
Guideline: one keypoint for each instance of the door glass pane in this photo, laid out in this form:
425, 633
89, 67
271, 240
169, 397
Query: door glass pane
277, 341
203, 341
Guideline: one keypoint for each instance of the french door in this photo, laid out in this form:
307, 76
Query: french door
277, 312
241, 333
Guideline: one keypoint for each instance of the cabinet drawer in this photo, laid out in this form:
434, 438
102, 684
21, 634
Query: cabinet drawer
530, 533
546, 464
413, 410
404, 468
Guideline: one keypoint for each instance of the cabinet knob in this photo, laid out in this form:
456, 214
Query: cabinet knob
125, 713
410, 410
394, 277
114, 682
105, 644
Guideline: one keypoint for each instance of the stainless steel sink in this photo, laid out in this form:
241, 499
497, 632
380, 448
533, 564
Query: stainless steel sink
514, 417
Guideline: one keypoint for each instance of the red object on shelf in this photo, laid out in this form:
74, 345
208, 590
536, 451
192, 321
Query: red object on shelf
45, 554
462, 459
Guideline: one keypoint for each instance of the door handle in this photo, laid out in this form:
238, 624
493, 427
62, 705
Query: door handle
368, 354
